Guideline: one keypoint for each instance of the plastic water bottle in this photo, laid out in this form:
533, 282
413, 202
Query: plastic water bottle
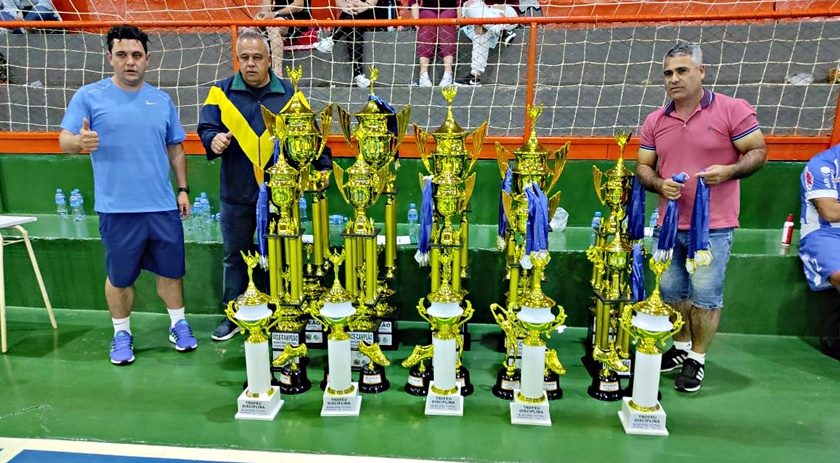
596, 223
391, 16
81, 203
413, 223
76, 208
60, 203
302, 206
654, 218
206, 214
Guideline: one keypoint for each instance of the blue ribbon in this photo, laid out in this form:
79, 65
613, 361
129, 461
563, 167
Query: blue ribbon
426, 218
636, 212
668, 230
503, 221
699, 231
637, 274
262, 223
536, 234
276, 155
392, 117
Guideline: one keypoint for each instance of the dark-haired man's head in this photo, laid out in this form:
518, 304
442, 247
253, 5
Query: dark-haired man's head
128, 55
127, 32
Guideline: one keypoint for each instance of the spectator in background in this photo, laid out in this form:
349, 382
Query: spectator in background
485, 37
355, 9
282, 9
530, 8
30, 10
431, 37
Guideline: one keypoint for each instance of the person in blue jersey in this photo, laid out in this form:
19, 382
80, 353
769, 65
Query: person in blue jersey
132, 132
819, 242
231, 127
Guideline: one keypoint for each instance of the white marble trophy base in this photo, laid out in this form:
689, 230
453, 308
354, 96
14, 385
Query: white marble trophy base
342, 405
446, 405
534, 414
638, 422
263, 407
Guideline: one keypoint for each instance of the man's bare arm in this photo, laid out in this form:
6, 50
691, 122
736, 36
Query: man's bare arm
828, 208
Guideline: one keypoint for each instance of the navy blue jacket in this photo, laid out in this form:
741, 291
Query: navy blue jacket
233, 106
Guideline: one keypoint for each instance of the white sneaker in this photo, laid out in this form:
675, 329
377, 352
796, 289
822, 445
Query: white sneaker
362, 81
424, 81
325, 45
446, 80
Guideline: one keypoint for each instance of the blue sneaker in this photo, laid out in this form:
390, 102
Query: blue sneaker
122, 348
182, 336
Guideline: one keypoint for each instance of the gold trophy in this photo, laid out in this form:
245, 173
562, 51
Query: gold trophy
260, 400
335, 311
611, 256
533, 165
376, 146
293, 278
534, 318
648, 322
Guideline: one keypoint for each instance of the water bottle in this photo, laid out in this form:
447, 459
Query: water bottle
60, 203
596, 223
302, 206
654, 218
76, 208
206, 214
391, 16
413, 223
81, 203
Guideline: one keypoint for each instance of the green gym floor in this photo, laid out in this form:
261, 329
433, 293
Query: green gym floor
765, 398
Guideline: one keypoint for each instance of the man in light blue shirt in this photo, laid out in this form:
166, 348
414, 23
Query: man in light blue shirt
134, 137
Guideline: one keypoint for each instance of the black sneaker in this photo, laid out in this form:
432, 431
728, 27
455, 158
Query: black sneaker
507, 37
470, 80
673, 359
226, 330
691, 376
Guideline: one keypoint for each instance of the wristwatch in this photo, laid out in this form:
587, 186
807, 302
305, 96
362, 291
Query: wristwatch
185, 189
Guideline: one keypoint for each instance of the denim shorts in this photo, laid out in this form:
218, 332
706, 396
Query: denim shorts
152, 241
704, 287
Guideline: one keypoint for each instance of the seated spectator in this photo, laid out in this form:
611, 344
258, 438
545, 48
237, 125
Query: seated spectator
485, 37
28, 10
529, 8
282, 9
430, 38
819, 242
354, 36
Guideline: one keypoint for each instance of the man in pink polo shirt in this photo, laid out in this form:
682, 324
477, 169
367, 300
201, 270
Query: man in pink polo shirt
709, 135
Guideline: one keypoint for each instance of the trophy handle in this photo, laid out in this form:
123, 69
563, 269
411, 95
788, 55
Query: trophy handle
325, 119
469, 186
338, 173
599, 189
420, 139
553, 202
558, 320
402, 126
560, 157
344, 122
507, 204
478, 142
502, 158
506, 321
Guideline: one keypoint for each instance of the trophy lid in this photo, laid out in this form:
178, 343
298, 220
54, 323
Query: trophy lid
373, 108
535, 315
444, 309
449, 126
297, 105
337, 310
533, 145
651, 318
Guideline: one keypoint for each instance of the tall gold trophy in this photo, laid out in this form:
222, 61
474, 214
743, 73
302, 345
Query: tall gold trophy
648, 321
336, 310
533, 165
376, 146
449, 188
611, 257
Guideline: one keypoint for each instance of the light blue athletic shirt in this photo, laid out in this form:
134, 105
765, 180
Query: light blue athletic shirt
131, 167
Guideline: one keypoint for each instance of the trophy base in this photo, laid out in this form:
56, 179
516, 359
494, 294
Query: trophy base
373, 381
606, 387
342, 405
506, 384
551, 383
293, 381
639, 422
263, 407
529, 413
462, 377
445, 405
418, 381
387, 334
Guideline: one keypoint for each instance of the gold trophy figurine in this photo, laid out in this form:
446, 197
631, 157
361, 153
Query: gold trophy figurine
261, 400
649, 322
611, 256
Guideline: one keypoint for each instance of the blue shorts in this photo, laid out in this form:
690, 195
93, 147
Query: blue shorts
704, 287
152, 241
820, 257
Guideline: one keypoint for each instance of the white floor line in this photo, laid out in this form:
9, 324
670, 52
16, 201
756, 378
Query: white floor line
12, 447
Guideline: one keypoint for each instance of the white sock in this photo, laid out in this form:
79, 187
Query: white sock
122, 324
175, 315
700, 358
684, 346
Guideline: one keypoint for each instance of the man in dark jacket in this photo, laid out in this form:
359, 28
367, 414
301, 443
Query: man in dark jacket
231, 127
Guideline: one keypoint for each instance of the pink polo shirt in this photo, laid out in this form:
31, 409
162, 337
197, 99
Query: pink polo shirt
704, 139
